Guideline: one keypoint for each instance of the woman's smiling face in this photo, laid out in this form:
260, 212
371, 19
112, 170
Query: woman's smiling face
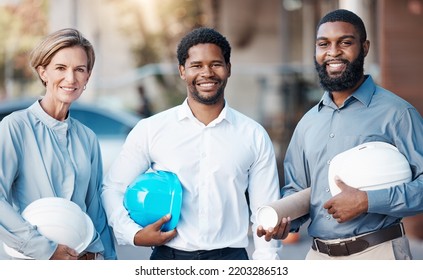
66, 75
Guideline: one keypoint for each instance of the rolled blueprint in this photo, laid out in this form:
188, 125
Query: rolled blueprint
293, 206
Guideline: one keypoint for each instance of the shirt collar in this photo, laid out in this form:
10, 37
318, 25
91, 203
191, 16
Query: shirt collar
185, 112
363, 94
48, 120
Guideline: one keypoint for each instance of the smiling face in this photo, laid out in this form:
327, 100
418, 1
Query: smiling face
66, 75
339, 56
205, 73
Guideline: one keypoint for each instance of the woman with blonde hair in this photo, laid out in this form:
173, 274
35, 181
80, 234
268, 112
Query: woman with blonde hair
44, 152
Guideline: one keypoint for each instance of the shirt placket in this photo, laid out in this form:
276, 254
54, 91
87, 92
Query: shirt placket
67, 187
204, 199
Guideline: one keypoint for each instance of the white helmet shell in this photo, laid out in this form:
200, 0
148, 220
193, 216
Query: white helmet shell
59, 220
369, 166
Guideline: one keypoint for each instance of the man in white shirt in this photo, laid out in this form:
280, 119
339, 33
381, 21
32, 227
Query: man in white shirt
218, 155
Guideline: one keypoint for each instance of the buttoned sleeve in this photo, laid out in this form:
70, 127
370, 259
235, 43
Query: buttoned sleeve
405, 199
263, 188
128, 165
15, 232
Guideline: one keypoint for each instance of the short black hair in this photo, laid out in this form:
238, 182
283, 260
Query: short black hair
346, 16
202, 35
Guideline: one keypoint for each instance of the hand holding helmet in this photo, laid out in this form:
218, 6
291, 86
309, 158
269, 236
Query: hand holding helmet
152, 234
349, 203
366, 167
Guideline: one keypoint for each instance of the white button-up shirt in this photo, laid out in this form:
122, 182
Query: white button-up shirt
216, 165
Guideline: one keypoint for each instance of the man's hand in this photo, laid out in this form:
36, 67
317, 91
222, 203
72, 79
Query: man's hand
151, 235
64, 252
279, 232
348, 204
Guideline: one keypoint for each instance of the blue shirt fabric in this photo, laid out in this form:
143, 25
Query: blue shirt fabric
43, 157
370, 114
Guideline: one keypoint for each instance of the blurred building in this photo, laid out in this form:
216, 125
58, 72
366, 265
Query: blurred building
273, 79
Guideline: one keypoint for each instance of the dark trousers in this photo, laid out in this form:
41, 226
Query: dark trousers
167, 253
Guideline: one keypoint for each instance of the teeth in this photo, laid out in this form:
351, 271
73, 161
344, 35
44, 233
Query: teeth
206, 85
68, 89
335, 65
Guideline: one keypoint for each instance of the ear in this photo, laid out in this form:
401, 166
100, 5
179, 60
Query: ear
229, 68
88, 77
181, 69
366, 47
42, 73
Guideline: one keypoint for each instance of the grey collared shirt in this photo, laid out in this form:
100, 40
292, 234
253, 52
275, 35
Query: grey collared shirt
370, 114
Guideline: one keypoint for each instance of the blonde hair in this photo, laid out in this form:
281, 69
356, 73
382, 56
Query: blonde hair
43, 53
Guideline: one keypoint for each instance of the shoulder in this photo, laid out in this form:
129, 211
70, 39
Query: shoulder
391, 99
163, 118
241, 119
170, 113
17, 120
246, 126
155, 123
391, 104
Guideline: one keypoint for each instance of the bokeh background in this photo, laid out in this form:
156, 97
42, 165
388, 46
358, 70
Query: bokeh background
273, 79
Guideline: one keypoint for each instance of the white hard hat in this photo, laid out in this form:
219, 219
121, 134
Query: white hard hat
369, 166
59, 220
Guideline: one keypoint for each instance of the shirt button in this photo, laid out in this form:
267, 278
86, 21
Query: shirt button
328, 162
332, 135
328, 217
327, 189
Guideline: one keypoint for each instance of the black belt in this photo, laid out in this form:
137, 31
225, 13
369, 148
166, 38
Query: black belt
358, 244
180, 254
88, 256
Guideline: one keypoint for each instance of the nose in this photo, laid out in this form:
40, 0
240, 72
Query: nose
70, 76
207, 71
333, 51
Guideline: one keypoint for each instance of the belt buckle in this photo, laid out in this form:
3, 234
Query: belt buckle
333, 249
342, 246
88, 256
402, 229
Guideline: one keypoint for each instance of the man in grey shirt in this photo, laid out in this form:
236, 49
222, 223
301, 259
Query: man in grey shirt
354, 224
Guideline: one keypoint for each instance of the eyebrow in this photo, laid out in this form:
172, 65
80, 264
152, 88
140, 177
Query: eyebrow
340, 38
78, 66
201, 62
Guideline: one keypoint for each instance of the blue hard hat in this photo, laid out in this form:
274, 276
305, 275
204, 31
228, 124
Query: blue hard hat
153, 195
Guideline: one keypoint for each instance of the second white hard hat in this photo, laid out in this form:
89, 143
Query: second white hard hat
369, 166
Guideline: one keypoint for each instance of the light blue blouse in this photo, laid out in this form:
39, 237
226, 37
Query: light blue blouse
370, 114
43, 157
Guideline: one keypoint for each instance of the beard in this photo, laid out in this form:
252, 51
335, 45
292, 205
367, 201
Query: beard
347, 80
204, 99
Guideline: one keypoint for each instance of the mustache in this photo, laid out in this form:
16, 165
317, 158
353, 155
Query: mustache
217, 80
325, 63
